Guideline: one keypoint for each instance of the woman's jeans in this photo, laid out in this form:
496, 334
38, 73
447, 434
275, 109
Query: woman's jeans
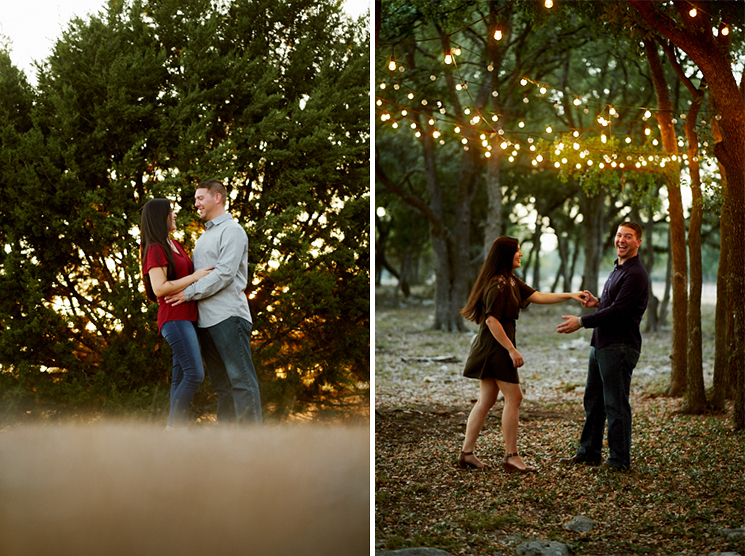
226, 349
188, 370
607, 397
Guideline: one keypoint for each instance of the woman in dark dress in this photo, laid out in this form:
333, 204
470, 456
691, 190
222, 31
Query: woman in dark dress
495, 303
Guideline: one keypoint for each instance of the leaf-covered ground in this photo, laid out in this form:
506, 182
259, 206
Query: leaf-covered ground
687, 481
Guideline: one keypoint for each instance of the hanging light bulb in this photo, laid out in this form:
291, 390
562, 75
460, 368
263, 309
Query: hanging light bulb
498, 35
448, 58
392, 64
577, 101
549, 129
549, 4
693, 12
725, 31
543, 90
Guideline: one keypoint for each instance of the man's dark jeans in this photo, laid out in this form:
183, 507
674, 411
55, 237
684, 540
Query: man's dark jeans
607, 397
226, 349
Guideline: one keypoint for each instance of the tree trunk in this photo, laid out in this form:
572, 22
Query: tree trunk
677, 223
592, 210
696, 393
493, 224
721, 386
653, 307
537, 250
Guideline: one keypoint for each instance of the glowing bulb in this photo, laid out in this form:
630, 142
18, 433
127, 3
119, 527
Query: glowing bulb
523, 82
549, 4
487, 154
495, 118
603, 138
464, 141
448, 58
413, 126
392, 65
693, 12
543, 90
725, 31
549, 129
521, 124
577, 101
497, 36
382, 85
411, 96
647, 115
647, 131
457, 129
404, 113
628, 140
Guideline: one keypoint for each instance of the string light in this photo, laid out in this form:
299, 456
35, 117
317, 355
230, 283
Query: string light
497, 37
549, 4
725, 31
392, 64
693, 12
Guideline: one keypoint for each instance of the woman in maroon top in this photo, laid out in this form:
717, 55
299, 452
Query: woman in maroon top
495, 303
167, 269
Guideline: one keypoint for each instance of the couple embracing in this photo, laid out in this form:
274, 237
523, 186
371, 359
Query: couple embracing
206, 307
495, 302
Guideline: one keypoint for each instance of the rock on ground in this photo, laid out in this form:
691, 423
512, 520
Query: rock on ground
542, 548
580, 524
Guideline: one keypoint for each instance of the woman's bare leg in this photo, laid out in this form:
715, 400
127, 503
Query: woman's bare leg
513, 397
488, 391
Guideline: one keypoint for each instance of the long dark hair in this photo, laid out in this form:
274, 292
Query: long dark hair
498, 262
154, 231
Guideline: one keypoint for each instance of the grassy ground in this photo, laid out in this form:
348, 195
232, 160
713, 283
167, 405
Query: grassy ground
686, 484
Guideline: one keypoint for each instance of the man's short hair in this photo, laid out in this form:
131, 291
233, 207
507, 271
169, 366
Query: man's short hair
634, 226
214, 187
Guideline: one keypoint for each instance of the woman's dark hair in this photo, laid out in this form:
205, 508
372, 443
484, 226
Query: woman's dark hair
154, 231
498, 262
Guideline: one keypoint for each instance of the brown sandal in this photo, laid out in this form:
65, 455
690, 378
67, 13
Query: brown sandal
510, 468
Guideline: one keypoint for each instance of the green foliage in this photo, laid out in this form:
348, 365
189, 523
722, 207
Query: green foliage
145, 100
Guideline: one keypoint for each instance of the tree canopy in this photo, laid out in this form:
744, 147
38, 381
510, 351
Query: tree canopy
145, 100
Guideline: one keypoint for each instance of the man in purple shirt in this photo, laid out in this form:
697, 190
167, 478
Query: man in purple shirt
615, 348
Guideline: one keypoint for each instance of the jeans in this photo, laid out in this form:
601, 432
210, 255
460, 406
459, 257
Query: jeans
607, 397
188, 370
226, 349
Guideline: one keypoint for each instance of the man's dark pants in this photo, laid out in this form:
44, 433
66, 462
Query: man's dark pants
607, 398
226, 350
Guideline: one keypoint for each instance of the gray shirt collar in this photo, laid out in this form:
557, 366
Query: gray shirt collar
218, 220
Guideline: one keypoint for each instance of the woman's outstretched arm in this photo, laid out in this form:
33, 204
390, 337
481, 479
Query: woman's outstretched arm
551, 298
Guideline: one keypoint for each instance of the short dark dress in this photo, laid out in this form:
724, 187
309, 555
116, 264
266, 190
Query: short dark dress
503, 300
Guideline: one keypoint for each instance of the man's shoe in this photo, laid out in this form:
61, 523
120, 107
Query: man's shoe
577, 460
608, 467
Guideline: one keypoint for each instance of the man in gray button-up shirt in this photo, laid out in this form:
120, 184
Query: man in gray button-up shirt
224, 316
